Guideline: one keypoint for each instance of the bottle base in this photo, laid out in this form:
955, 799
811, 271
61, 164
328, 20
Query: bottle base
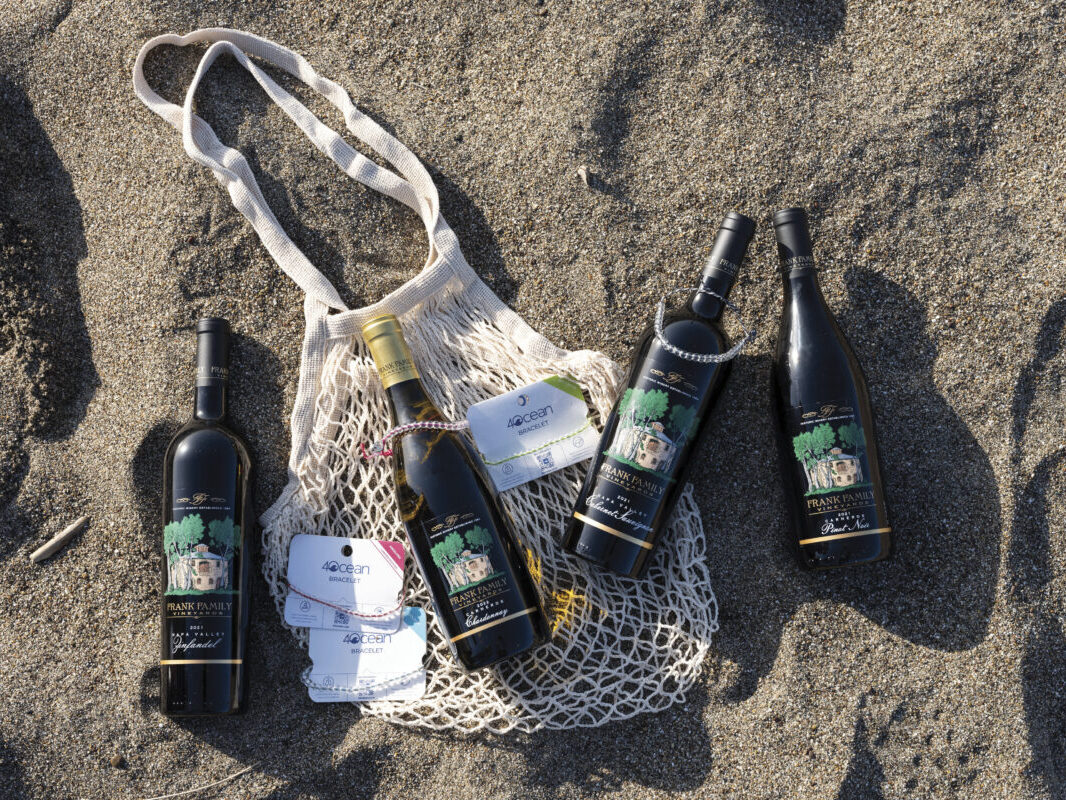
193, 714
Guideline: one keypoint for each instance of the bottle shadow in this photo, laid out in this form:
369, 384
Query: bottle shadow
938, 588
282, 733
47, 376
1035, 564
865, 775
12, 780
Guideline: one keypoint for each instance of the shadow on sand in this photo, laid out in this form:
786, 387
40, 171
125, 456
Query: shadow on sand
47, 377
1035, 558
938, 589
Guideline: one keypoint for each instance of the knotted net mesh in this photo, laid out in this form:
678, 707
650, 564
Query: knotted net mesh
620, 647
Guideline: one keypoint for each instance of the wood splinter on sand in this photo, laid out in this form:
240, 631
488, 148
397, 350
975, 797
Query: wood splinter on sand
57, 542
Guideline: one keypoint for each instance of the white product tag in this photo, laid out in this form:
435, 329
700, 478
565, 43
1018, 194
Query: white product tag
330, 576
369, 665
532, 431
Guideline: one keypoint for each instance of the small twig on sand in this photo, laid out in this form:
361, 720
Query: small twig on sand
205, 786
56, 542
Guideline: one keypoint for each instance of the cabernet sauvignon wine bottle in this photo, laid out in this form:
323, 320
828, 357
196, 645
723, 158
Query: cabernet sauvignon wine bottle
634, 482
827, 441
460, 535
206, 559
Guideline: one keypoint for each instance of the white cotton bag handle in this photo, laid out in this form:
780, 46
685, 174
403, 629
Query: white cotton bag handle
415, 190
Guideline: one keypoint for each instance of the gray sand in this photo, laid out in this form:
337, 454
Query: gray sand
926, 138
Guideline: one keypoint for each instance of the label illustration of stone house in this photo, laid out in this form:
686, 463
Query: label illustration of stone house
470, 568
202, 570
646, 446
838, 469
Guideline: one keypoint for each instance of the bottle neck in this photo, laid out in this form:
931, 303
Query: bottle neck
714, 286
212, 370
409, 402
723, 264
209, 404
802, 279
795, 251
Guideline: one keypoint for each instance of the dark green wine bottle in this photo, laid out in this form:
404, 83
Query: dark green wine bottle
461, 537
634, 482
207, 519
826, 425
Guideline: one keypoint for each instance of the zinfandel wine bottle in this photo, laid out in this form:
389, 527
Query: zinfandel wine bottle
634, 482
827, 441
206, 517
462, 539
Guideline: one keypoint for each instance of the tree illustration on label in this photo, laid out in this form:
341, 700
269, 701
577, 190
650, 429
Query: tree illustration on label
465, 561
827, 467
445, 554
640, 439
683, 421
191, 566
852, 436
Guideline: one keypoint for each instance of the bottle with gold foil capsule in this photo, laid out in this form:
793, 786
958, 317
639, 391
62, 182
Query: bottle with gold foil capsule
462, 539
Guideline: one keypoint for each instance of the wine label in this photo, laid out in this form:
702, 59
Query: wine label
829, 449
532, 431
657, 421
330, 576
199, 630
201, 547
470, 557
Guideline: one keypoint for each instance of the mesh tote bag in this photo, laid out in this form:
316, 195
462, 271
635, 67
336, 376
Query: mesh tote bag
620, 647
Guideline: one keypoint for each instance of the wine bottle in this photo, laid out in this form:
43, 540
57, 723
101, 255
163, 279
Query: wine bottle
461, 537
827, 441
634, 482
206, 559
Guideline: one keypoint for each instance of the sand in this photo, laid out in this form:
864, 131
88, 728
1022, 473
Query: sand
926, 138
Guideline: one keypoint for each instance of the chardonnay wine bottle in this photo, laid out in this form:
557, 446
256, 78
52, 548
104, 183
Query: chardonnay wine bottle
461, 537
633, 484
206, 559
827, 441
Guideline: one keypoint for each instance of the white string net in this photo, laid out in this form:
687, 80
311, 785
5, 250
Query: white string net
620, 647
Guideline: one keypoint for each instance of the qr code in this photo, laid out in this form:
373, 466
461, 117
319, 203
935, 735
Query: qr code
546, 460
340, 618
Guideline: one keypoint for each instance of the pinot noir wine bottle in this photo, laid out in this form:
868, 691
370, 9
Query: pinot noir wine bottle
634, 481
461, 537
827, 440
206, 523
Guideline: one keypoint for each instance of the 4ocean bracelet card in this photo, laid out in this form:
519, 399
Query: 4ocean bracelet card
364, 644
